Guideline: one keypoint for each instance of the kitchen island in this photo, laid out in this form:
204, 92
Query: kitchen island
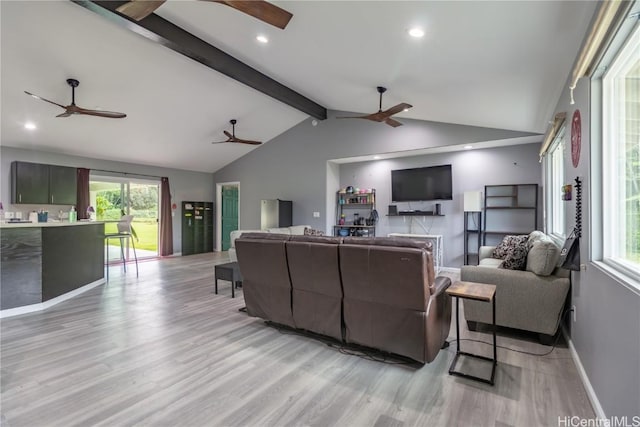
42, 263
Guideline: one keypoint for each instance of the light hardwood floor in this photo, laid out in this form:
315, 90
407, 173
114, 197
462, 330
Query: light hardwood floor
164, 350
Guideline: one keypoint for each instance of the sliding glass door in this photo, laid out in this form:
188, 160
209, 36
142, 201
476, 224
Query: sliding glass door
113, 197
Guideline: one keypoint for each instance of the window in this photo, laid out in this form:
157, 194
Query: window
555, 178
621, 158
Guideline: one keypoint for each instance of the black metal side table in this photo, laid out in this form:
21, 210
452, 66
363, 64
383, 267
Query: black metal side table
478, 292
230, 272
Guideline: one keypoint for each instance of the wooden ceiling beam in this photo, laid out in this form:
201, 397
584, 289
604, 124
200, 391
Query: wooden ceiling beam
161, 31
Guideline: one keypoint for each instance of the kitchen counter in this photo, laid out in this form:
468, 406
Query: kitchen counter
41, 262
47, 224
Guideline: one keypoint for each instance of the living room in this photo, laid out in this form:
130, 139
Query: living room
308, 163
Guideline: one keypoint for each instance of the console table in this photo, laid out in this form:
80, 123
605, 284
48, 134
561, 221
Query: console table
436, 241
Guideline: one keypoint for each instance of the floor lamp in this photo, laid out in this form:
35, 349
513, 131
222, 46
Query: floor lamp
472, 210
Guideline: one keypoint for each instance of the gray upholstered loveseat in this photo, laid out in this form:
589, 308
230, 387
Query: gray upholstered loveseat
530, 300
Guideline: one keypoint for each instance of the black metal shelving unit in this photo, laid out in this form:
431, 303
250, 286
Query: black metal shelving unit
509, 209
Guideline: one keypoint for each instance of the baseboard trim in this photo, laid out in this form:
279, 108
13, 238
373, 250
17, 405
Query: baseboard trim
591, 393
9, 312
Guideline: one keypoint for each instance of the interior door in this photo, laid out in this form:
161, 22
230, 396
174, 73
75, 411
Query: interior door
229, 214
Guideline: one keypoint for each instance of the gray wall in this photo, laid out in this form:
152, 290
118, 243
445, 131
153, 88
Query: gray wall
185, 185
606, 335
293, 166
471, 171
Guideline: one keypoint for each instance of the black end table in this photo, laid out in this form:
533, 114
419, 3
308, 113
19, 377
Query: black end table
479, 292
230, 272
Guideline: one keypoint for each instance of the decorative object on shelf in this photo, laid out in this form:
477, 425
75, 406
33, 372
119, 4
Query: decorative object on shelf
472, 207
566, 192
576, 138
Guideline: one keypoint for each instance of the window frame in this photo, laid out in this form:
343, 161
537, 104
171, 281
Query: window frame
555, 206
605, 185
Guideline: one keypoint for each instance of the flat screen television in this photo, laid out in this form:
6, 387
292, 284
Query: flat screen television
427, 183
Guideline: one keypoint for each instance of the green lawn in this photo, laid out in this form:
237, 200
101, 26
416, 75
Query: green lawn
147, 234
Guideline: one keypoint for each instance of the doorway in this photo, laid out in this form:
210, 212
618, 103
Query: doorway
114, 197
227, 213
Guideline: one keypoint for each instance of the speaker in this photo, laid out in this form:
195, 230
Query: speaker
438, 209
393, 210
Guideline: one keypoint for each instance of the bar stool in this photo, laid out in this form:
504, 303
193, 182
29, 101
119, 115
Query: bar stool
124, 233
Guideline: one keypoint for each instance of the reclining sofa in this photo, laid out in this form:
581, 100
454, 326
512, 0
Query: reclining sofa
376, 292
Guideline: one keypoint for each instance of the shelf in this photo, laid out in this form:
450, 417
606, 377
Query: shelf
415, 214
510, 207
506, 232
357, 205
354, 226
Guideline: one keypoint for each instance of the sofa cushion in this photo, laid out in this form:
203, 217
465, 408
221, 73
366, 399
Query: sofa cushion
316, 239
543, 257
400, 242
515, 252
265, 236
490, 262
313, 232
282, 230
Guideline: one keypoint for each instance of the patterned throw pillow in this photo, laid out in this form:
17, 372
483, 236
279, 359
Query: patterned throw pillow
311, 232
515, 251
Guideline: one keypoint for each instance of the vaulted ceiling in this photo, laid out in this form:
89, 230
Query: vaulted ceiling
482, 63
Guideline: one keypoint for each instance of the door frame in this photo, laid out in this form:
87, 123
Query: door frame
219, 186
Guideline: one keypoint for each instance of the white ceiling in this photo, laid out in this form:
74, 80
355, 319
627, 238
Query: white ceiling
495, 64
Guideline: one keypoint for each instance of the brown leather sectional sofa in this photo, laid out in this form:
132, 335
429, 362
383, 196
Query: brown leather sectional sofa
377, 292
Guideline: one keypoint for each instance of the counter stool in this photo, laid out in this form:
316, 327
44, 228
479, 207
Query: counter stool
124, 233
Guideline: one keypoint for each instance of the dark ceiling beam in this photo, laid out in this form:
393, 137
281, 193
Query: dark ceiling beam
161, 31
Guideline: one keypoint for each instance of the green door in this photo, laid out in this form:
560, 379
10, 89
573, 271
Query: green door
229, 214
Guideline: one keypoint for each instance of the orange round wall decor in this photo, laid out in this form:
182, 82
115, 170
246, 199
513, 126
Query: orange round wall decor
576, 137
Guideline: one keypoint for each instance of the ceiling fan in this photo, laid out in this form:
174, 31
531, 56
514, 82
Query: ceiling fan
231, 137
74, 109
260, 9
383, 116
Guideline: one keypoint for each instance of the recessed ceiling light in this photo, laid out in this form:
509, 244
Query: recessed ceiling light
376, 157
406, 109
262, 39
468, 147
416, 32
30, 126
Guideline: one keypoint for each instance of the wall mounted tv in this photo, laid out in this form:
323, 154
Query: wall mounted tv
427, 183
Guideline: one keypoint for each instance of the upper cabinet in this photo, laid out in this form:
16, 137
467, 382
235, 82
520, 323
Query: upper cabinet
38, 184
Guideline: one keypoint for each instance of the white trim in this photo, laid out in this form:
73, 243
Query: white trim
50, 303
619, 276
591, 393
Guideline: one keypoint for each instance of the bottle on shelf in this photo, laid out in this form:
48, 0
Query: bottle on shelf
342, 219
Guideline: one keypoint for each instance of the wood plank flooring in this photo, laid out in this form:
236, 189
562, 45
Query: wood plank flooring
164, 350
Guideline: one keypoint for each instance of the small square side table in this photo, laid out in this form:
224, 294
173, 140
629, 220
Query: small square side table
478, 292
230, 272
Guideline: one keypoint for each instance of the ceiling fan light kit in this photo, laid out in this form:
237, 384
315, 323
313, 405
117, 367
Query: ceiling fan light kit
74, 109
383, 116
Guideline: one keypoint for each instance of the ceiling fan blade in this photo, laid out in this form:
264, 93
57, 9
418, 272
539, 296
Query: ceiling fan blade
139, 9
45, 100
392, 122
228, 135
262, 10
97, 113
247, 141
396, 109
367, 117
65, 114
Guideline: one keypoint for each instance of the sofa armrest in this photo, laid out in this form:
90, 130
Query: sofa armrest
485, 252
441, 284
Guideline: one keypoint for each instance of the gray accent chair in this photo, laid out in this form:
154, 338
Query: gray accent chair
531, 300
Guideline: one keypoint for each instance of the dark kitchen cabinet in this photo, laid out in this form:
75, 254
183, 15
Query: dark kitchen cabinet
63, 185
39, 184
197, 227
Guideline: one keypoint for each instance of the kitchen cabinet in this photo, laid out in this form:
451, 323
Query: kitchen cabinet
40, 184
